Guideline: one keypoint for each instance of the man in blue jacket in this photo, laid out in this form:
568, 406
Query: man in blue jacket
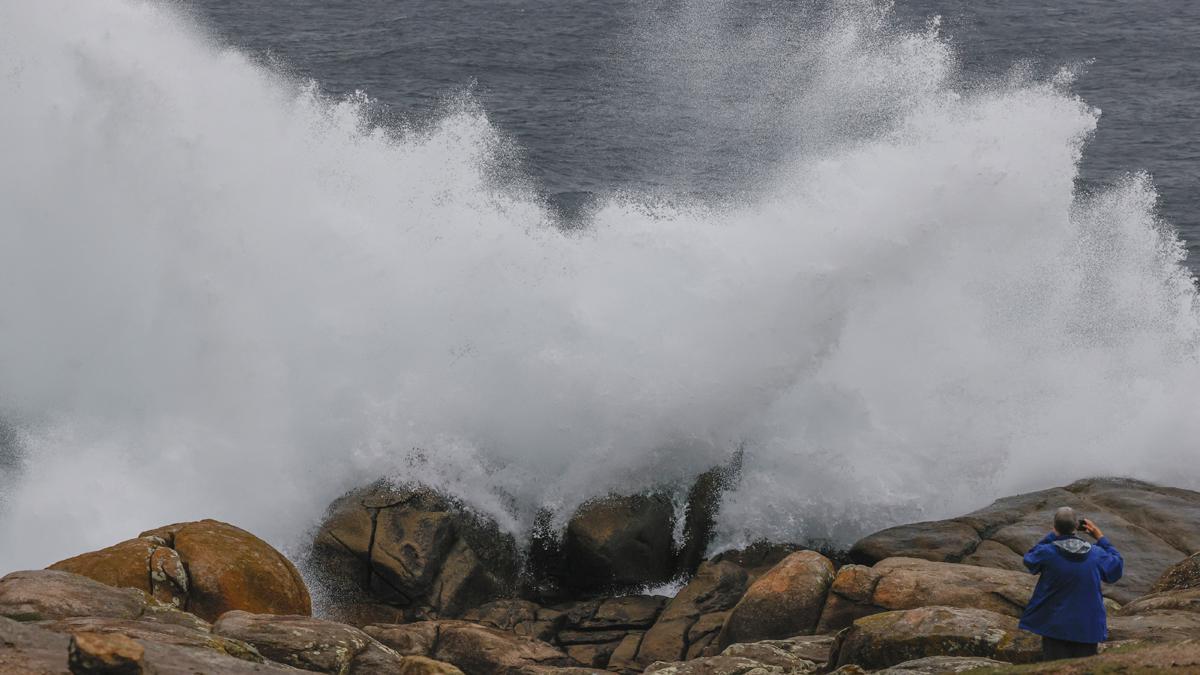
1067, 609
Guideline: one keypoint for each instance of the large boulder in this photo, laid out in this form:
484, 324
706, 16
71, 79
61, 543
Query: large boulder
475, 649
412, 548
887, 639
1152, 526
620, 542
907, 583
135, 563
690, 622
206, 567
311, 644
785, 601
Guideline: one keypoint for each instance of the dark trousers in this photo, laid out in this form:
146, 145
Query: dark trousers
1053, 650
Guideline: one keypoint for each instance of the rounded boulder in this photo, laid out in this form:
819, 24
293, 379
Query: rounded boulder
206, 567
620, 542
784, 602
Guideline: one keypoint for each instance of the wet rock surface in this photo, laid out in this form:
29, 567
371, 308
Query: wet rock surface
620, 542
412, 548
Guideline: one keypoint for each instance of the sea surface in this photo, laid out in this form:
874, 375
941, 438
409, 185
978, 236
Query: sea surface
600, 96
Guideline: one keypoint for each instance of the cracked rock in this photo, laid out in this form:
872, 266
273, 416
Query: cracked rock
412, 548
205, 567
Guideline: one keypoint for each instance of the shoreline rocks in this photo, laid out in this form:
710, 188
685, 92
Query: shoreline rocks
1154, 527
435, 589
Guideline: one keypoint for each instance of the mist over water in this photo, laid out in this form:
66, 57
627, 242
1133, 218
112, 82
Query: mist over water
226, 295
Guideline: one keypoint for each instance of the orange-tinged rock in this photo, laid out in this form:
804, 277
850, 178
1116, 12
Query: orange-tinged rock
124, 565
884, 640
205, 567
105, 653
229, 568
785, 601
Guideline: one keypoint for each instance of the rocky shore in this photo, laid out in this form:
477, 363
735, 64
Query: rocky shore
418, 584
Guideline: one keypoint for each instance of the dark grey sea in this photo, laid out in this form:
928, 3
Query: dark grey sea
572, 81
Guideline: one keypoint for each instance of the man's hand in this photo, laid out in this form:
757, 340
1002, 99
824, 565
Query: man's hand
1090, 528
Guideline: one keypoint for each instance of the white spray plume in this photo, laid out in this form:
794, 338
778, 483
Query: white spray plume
222, 295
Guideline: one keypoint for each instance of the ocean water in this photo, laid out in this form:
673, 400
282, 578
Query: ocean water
531, 253
693, 97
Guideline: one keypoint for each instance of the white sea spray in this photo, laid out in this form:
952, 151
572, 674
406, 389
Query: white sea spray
223, 295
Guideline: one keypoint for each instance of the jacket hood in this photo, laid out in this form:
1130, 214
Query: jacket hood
1073, 548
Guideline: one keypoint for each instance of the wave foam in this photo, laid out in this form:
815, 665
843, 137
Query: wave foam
226, 296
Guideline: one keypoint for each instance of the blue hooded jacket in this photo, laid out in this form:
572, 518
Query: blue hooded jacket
1066, 604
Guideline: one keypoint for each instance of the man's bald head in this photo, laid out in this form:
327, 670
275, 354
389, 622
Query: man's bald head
1065, 520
